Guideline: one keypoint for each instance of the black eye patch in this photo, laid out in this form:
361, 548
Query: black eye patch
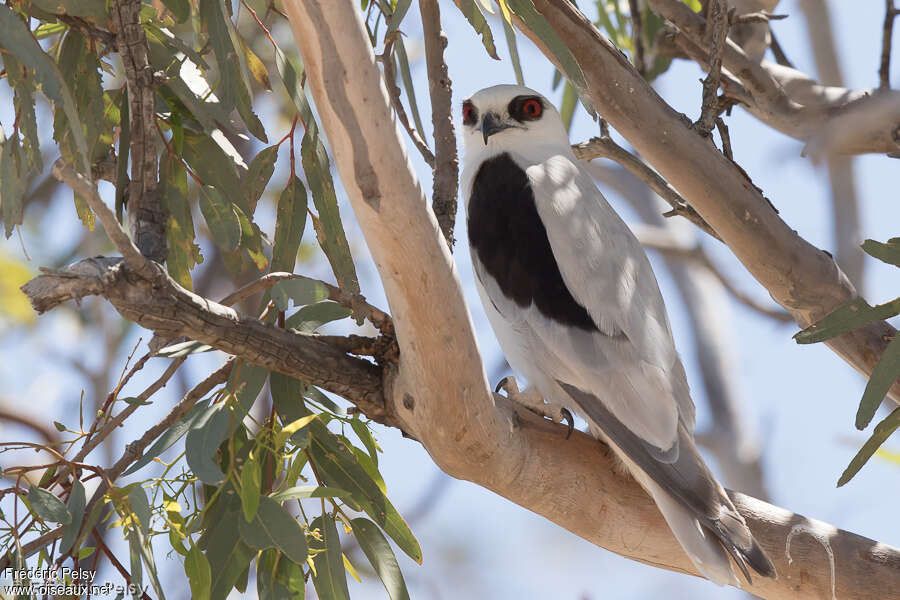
526, 108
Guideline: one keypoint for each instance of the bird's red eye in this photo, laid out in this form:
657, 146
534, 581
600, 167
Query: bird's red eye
532, 108
469, 113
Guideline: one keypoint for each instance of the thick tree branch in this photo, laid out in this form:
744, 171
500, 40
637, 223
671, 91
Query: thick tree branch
446, 162
443, 395
159, 304
803, 279
832, 120
148, 220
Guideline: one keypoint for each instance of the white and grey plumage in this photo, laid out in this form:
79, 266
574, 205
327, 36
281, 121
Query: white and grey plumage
576, 308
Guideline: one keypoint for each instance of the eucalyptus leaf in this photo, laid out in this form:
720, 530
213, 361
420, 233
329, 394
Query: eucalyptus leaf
472, 12
274, 527
290, 221
881, 379
377, 549
75, 507
848, 316
882, 432
889, 252
329, 576
47, 506
198, 572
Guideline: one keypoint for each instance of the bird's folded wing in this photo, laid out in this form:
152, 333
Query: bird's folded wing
606, 270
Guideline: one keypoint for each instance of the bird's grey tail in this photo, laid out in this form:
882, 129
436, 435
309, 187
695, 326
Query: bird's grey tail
697, 509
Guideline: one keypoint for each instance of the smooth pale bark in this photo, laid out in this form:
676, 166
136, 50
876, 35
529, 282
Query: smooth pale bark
440, 390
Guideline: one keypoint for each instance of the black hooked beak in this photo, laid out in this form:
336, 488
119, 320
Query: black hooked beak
490, 125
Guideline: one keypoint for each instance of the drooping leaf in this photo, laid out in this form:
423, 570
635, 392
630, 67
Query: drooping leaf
365, 436
221, 218
847, 317
198, 572
338, 466
274, 527
329, 576
184, 252
278, 578
23, 84
881, 379
12, 183
251, 480
246, 382
536, 22
287, 397
331, 231
258, 174
889, 252
251, 239
226, 552
203, 441
80, 68
406, 77
476, 19
882, 432
213, 165
400, 8
123, 158
290, 221
510, 33
75, 507
16, 39
47, 506
140, 507
569, 103
377, 549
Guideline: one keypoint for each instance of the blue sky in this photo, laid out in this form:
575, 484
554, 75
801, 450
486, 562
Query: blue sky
801, 399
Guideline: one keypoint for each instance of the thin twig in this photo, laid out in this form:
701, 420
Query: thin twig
605, 147
762, 16
637, 34
726, 138
446, 160
390, 80
87, 190
657, 238
718, 18
780, 57
884, 73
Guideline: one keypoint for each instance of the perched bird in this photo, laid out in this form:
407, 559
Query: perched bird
576, 308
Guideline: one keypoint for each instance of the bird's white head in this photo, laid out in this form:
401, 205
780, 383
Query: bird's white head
507, 117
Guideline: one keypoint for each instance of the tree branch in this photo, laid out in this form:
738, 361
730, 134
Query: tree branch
147, 217
446, 162
887, 35
803, 279
830, 119
443, 395
718, 18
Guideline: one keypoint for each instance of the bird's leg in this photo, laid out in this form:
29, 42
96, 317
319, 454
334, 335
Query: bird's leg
532, 399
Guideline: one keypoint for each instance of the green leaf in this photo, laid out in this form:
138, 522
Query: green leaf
16, 39
246, 382
329, 230
299, 290
198, 572
80, 69
882, 378
12, 183
251, 480
329, 576
203, 441
311, 317
214, 166
227, 554
309, 491
47, 506
278, 578
403, 67
181, 10
23, 85
338, 466
290, 222
75, 507
122, 159
171, 435
258, 174
377, 549
90, 9
251, 240
889, 252
137, 502
274, 527
476, 19
513, 47
882, 432
365, 436
292, 428
184, 253
569, 103
847, 317
221, 217
536, 22
400, 7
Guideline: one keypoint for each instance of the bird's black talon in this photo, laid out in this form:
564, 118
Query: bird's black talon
500, 385
570, 421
